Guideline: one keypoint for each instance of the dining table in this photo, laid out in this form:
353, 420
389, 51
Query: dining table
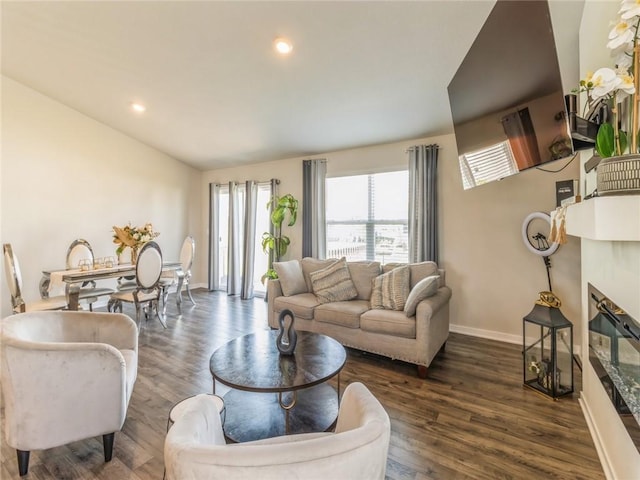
73, 279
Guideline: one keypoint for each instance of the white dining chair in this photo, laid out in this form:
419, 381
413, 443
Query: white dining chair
14, 281
146, 296
78, 251
180, 277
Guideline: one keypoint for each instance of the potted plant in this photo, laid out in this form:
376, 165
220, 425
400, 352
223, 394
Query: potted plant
276, 244
617, 142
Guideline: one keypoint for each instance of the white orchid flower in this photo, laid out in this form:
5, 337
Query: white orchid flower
629, 9
627, 86
605, 81
623, 56
622, 33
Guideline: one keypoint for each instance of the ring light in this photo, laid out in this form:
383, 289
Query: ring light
538, 249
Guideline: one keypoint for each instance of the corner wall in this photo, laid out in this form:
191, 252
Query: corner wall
495, 279
66, 176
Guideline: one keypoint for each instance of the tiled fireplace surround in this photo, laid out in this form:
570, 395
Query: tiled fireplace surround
610, 231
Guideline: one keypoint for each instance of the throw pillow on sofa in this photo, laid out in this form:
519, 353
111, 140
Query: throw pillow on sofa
291, 277
333, 283
423, 289
390, 290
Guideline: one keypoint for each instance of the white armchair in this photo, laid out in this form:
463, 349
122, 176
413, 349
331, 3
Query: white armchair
195, 446
66, 376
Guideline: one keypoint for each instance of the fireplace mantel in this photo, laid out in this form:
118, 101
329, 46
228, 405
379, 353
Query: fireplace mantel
612, 218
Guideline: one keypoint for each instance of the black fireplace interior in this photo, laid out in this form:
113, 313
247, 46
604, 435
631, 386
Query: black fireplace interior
614, 353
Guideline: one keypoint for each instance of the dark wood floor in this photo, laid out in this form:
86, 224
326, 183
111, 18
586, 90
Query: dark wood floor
470, 419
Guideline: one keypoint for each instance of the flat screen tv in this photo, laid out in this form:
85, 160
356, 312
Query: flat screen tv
506, 98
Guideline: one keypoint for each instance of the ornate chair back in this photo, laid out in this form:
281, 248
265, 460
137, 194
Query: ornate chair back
149, 267
13, 275
186, 255
79, 249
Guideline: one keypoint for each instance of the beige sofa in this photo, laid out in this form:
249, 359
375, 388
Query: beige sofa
411, 337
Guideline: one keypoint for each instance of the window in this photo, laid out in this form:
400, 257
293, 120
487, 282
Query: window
492, 163
367, 217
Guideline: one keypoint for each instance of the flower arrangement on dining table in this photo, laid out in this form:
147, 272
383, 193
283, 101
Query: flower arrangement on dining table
133, 237
618, 86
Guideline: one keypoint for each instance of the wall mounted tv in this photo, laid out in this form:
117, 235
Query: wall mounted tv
506, 97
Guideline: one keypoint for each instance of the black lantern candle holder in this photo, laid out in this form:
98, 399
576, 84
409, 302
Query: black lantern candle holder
547, 348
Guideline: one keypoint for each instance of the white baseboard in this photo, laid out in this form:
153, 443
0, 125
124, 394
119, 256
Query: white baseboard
488, 334
597, 440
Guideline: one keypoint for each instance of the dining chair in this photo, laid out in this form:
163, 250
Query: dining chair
80, 250
14, 280
181, 276
146, 295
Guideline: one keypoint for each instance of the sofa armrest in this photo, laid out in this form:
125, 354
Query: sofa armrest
274, 290
428, 307
432, 321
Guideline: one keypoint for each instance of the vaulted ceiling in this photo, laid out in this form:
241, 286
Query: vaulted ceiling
217, 94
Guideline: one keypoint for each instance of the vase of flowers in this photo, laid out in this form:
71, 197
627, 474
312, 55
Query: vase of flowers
133, 237
617, 141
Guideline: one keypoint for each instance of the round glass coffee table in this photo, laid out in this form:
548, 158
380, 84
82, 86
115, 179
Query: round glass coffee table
273, 394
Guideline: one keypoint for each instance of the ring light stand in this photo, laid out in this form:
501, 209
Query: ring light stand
538, 243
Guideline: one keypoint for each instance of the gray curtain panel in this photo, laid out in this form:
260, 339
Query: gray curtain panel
214, 236
423, 203
314, 237
274, 192
248, 257
234, 256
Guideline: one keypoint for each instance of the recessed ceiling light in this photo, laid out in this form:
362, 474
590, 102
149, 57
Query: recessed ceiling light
282, 45
138, 107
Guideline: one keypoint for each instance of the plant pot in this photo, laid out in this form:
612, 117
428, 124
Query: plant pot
619, 175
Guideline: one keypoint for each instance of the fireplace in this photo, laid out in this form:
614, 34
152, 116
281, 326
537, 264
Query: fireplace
614, 353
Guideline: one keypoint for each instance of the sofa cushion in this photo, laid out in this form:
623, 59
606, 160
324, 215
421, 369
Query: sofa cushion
388, 322
390, 290
422, 270
362, 274
418, 270
291, 277
346, 314
302, 305
333, 283
423, 289
310, 264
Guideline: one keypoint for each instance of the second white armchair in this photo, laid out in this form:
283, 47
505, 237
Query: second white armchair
195, 447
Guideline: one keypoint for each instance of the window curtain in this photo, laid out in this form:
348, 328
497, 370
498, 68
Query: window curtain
423, 203
214, 236
518, 128
274, 192
234, 277
314, 237
248, 257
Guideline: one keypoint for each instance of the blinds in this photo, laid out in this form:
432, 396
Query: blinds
492, 163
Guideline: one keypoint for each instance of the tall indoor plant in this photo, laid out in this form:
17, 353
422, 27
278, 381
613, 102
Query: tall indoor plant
617, 142
276, 244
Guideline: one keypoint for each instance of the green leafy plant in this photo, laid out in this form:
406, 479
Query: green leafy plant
276, 244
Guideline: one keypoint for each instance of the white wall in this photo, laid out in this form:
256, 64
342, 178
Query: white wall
65, 175
614, 269
495, 279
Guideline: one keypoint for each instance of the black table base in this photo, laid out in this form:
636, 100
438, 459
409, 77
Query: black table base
254, 416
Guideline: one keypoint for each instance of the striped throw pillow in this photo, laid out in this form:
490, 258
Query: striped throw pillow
333, 283
390, 290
